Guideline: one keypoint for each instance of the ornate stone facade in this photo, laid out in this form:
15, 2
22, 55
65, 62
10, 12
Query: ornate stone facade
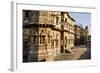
67, 32
81, 35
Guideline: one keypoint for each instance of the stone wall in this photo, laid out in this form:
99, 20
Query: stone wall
47, 33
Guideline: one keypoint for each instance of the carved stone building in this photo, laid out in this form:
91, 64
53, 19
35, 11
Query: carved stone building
67, 33
81, 35
46, 34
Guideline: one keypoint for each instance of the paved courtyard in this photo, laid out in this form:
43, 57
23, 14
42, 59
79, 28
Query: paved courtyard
78, 53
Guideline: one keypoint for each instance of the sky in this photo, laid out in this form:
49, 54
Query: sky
82, 19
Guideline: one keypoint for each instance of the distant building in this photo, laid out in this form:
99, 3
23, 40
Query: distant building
89, 42
77, 35
81, 35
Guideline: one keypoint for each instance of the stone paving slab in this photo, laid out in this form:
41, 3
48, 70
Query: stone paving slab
77, 52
